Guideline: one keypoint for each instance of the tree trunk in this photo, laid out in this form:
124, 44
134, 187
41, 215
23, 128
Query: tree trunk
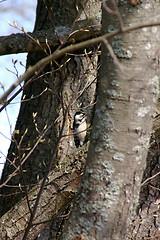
108, 194
42, 107
47, 107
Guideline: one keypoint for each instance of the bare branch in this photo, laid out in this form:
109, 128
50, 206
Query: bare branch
31, 42
41, 64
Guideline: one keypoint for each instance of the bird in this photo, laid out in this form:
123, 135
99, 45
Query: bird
79, 128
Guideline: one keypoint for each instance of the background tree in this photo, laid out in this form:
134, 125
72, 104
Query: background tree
120, 134
46, 106
65, 79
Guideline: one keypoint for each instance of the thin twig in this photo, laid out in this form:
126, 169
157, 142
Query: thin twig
150, 178
114, 12
11, 162
24, 160
118, 15
114, 57
21, 170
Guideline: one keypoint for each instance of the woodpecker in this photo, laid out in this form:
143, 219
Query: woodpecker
79, 128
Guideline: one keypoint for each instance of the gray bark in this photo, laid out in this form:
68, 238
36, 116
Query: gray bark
108, 194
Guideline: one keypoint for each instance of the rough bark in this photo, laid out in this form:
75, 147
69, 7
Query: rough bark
108, 194
59, 191
47, 107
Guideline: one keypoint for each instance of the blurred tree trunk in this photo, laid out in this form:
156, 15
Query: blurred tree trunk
43, 110
108, 194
